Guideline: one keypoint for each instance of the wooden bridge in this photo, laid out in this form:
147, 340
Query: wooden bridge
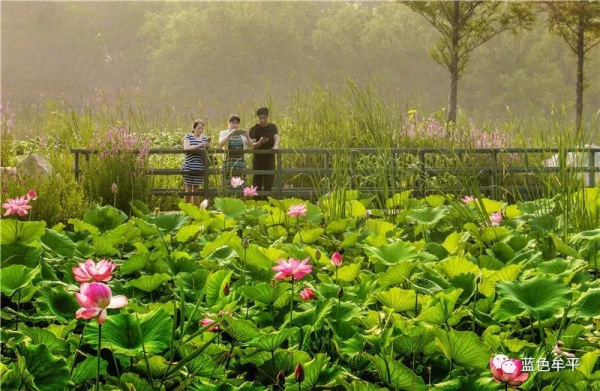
403, 169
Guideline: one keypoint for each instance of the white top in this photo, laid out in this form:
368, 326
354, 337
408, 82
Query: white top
223, 134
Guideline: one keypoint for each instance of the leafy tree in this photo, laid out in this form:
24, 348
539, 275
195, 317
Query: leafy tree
578, 23
464, 26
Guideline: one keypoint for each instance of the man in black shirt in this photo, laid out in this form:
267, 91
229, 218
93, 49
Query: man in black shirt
266, 136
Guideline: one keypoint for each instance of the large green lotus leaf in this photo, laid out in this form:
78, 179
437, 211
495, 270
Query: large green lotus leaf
379, 227
588, 304
463, 348
16, 277
275, 217
558, 266
203, 366
270, 342
188, 232
491, 206
133, 381
507, 273
399, 200
57, 243
24, 232
316, 316
455, 242
227, 240
308, 236
398, 299
503, 252
40, 336
261, 258
541, 297
397, 274
427, 215
466, 282
264, 293
140, 209
149, 283
563, 248
104, 217
11, 376
135, 263
193, 211
454, 266
82, 226
19, 254
414, 340
396, 375
317, 374
57, 302
349, 272
392, 254
215, 284
230, 207
364, 386
146, 229
592, 236
441, 308
314, 214
337, 226
435, 200
169, 223
491, 234
355, 209
86, 370
242, 330
121, 333
587, 363
471, 382
49, 372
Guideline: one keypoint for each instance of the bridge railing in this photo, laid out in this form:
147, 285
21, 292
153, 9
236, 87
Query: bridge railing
420, 170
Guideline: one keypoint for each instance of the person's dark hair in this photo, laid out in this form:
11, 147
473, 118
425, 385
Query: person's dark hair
235, 117
262, 111
198, 122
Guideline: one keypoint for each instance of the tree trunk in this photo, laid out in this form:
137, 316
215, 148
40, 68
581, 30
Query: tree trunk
579, 91
453, 98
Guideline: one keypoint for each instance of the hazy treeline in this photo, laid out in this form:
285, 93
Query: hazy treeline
212, 58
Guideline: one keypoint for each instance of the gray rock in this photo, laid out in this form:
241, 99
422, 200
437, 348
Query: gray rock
34, 164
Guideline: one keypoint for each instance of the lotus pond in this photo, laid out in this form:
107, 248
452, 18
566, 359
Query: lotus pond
432, 293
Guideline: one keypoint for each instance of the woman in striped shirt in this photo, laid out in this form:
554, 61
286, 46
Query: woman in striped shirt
194, 161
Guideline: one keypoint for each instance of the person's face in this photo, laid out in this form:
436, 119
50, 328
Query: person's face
199, 129
263, 120
234, 124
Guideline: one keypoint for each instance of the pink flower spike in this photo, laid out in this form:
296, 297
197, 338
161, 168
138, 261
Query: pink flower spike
88, 271
496, 218
95, 298
250, 191
32, 195
307, 294
236, 182
467, 199
297, 210
336, 259
18, 206
114, 188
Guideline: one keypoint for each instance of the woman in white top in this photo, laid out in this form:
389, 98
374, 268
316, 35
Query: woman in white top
234, 140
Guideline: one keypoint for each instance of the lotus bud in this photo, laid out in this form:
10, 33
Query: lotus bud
340, 293
317, 255
280, 379
156, 211
299, 373
226, 289
114, 188
246, 242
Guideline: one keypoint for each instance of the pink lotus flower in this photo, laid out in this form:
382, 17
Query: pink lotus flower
507, 371
297, 210
95, 298
114, 188
32, 195
250, 191
336, 259
307, 294
496, 218
17, 206
236, 182
204, 204
292, 268
207, 321
88, 271
467, 199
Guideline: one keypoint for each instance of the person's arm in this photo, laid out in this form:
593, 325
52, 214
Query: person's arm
224, 137
186, 144
276, 145
188, 147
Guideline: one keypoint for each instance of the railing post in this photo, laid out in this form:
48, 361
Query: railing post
420, 178
76, 166
279, 175
494, 173
206, 173
592, 172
